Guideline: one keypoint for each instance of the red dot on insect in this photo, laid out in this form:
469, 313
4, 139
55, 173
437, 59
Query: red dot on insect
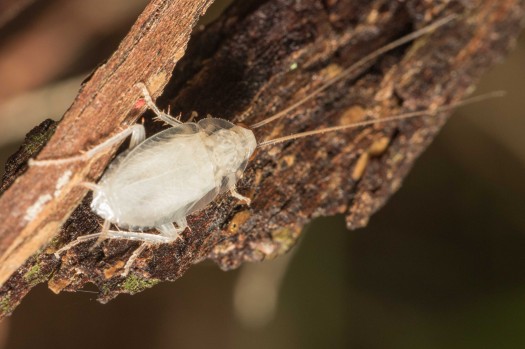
140, 103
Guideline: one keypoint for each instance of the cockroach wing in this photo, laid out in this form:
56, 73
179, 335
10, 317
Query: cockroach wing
160, 179
212, 125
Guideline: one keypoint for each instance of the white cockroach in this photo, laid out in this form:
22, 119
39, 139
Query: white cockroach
148, 186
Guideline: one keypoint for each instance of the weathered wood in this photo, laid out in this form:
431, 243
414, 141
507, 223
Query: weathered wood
255, 60
34, 207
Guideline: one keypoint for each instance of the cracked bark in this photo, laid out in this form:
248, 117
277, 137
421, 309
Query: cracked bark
256, 59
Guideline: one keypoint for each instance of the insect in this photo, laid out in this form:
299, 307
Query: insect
148, 185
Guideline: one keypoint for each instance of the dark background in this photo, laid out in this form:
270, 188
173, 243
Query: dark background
440, 266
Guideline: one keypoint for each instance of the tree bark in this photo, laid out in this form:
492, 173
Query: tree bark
255, 60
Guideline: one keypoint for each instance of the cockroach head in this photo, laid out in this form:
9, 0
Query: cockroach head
247, 139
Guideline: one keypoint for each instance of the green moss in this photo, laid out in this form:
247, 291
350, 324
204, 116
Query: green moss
34, 275
5, 305
54, 243
286, 238
36, 141
104, 289
134, 284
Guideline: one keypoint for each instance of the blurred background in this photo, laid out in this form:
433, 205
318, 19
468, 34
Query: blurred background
441, 266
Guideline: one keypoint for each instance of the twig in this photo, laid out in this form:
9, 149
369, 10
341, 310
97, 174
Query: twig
255, 60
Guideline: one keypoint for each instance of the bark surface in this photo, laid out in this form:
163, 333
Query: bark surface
256, 59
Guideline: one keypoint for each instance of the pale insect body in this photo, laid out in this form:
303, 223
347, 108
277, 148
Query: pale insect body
172, 174
165, 178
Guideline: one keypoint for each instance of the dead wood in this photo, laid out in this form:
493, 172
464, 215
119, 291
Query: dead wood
253, 61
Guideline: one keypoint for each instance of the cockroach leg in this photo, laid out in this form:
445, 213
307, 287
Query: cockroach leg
169, 230
240, 197
170, 120
137, 132
133, 258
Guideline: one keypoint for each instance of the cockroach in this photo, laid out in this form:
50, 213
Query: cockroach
147, 186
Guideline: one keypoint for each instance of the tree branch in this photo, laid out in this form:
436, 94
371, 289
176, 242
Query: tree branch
256, 59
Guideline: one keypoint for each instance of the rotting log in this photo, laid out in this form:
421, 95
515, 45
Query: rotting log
254, 60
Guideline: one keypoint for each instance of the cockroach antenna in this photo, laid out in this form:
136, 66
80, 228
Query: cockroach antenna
403, 116
350, 70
